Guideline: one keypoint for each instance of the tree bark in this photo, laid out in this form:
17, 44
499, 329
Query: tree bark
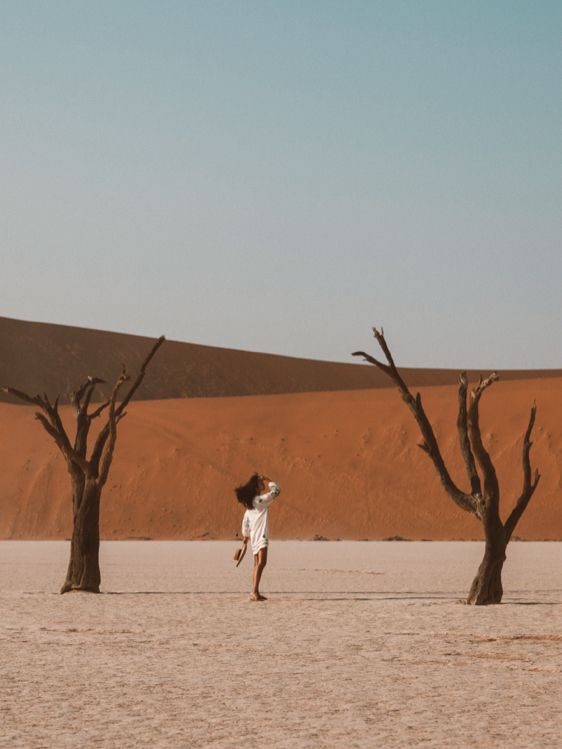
487, 586
87, 476
83, 568
483, 500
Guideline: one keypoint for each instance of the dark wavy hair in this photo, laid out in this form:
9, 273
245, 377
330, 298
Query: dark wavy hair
245, 494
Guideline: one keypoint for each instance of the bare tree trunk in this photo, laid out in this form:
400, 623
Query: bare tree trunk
83, 568
487, 586
88, 476
483, 499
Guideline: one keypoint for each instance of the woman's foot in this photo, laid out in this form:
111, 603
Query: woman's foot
257, 597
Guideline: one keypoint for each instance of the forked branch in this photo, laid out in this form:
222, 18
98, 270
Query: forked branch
140, 376
98, 411
490, 479
113, 418
80, 399
84, 392
462, 428
119, 410
429, 444
529, 484
49, 418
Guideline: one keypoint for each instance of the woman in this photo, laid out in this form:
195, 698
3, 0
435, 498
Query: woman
256, 495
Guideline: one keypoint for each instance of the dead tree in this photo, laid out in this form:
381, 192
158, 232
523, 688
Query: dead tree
483, 499
87, 475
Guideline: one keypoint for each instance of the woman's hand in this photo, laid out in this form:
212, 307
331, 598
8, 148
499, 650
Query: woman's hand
265, 481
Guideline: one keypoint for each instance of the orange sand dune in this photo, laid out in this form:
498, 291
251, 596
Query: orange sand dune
39, 357
347, 463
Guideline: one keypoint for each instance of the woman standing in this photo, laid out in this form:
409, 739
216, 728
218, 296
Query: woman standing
256, 495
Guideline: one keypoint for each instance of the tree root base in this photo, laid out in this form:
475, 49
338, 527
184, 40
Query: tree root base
79, 589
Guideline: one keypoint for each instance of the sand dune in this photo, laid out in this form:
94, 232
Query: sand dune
347, 463
39, 357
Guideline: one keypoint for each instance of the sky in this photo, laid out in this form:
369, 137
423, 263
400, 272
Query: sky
281, 176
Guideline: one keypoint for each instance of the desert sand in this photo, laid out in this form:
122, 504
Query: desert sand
359, 645
347, 463
42, 357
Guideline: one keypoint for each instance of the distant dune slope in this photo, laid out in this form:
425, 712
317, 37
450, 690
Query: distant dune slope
38, 357
347, 463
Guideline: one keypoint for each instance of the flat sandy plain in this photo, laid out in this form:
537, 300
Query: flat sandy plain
360, 645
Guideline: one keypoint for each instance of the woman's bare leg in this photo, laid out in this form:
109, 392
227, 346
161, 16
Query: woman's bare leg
260, 560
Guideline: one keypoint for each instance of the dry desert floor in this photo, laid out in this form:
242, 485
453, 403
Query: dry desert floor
360, 645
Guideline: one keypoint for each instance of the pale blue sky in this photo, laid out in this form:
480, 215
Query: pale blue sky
280, 176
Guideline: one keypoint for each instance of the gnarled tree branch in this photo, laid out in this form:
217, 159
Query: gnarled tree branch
529, 485
104, 433
33, 400
85, 389
80, 399
491, 485
87, 479
50, 420
483, 499
429, 444
140, 376
98, 411
113, 418
462, 428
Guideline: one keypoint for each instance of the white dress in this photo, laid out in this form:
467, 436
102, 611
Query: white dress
255, 523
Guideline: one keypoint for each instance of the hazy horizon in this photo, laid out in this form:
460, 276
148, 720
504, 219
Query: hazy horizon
280, 177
